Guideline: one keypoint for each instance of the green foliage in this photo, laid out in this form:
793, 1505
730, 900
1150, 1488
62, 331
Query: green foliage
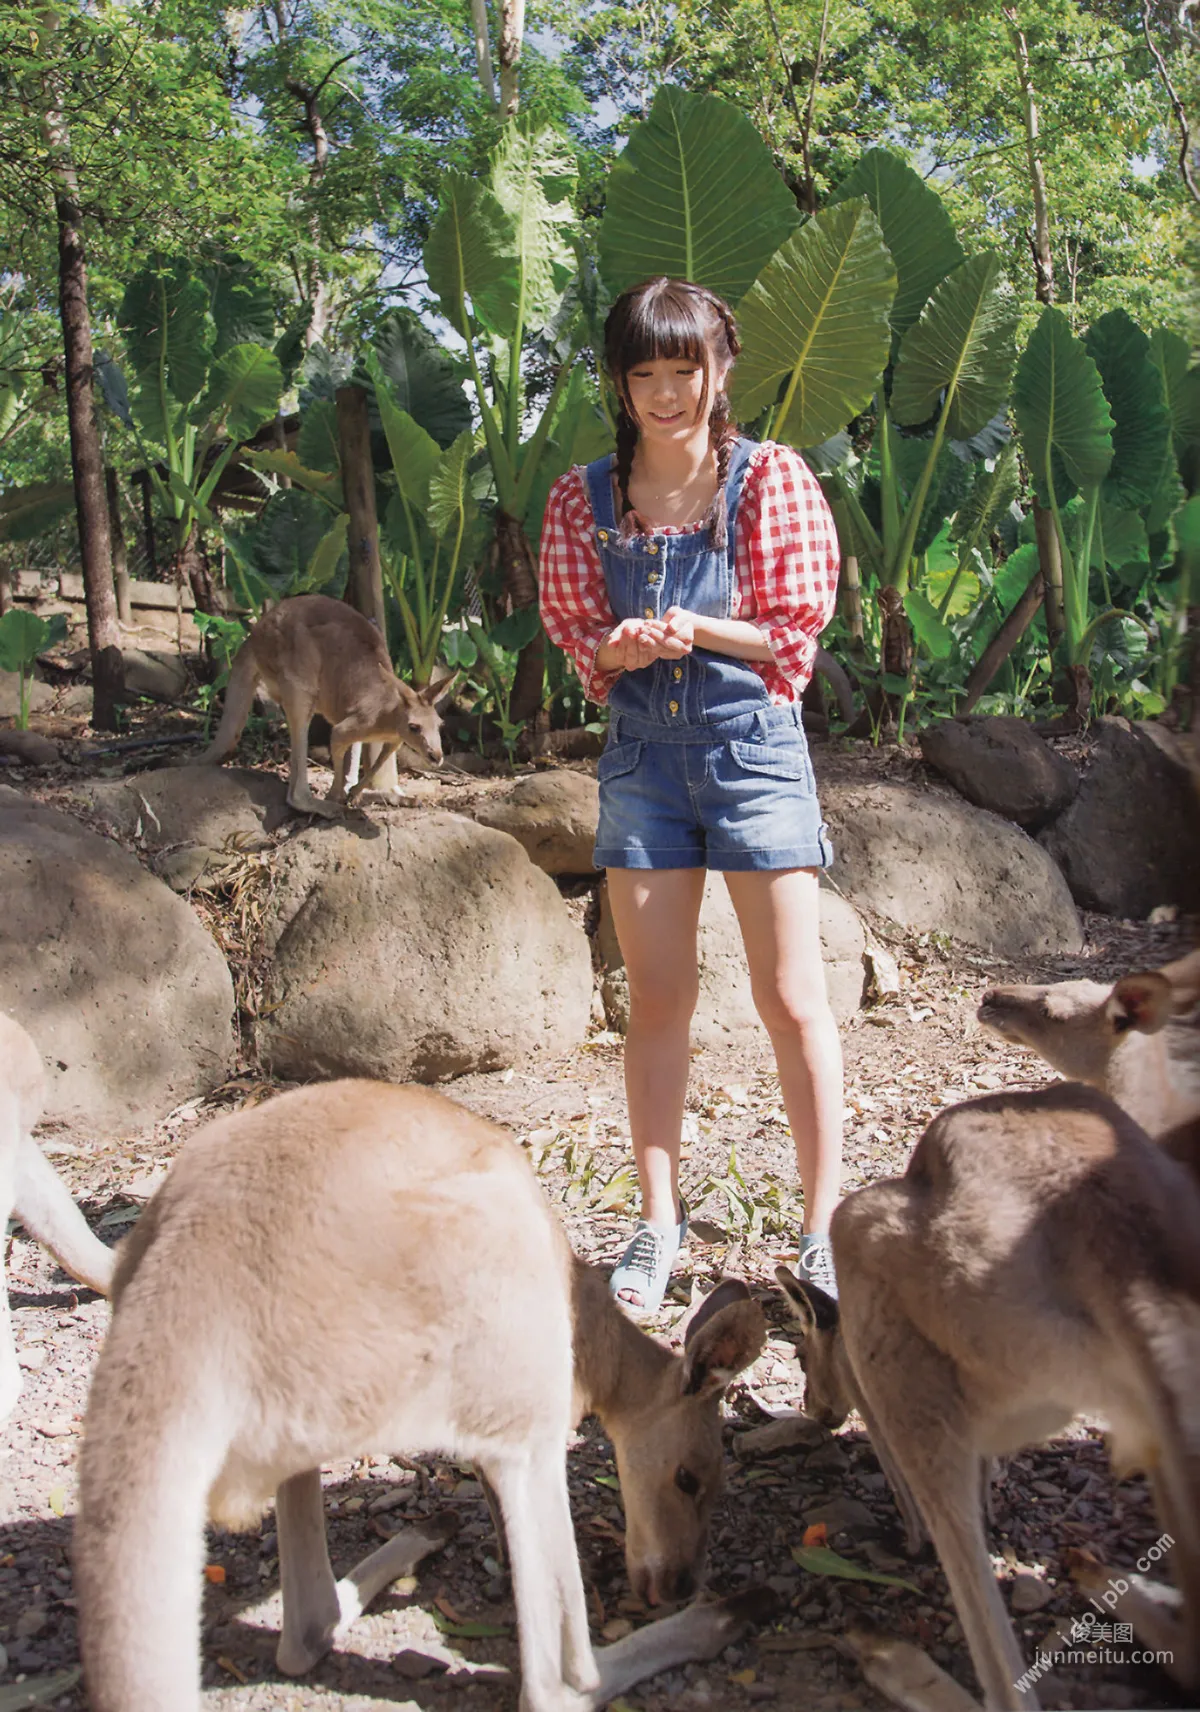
962, 347
916, 226
23, 636
694, 195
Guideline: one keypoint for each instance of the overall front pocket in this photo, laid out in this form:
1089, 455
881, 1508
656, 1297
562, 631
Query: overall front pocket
777, 760
619, 758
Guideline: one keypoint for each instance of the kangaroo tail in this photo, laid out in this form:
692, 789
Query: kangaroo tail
45, 1208
239, 699
154, 1443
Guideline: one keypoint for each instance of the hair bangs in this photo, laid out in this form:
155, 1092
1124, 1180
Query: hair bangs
660, 321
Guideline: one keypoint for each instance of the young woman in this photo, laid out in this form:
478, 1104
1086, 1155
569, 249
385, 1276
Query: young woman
689, 577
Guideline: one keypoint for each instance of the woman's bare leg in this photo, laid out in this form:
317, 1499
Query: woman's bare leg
656, 914
779, 914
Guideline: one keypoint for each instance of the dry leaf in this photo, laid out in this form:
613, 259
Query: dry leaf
743, 1677
215, 1573
228, 1664
817, 1535
58, 1500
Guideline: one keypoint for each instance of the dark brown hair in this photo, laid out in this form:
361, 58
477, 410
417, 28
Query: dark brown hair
672, 318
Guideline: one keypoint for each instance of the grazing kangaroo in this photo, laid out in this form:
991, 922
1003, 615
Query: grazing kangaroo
32, 1189
1039, 1258
317, 655
1119, 1038
357, 1268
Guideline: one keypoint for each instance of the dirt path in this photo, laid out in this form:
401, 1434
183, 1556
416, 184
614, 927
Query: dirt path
905, 1060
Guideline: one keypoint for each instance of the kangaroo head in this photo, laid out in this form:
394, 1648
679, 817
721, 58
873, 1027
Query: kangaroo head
1078, 1026
669, 1450
829, 1393
419, 723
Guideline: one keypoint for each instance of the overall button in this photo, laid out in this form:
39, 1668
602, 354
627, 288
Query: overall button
674, 706
677, 673
653, 547
603, 534
653, 579
648, 612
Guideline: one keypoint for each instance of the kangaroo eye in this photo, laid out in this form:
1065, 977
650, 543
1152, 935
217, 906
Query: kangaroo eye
686, 1481
414, 725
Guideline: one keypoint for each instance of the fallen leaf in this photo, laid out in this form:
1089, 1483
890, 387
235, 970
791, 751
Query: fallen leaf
609, 1480
817, 1535
215, 1573
228, 1664
743, 1677
445, 1607
823, 1560
58, 1500
37, 1691
471, 1631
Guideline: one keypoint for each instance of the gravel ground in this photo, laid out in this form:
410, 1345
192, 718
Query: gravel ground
906, 1058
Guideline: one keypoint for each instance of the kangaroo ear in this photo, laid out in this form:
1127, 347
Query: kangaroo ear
1144, 1002
722, 1340
441, 682
815, 1310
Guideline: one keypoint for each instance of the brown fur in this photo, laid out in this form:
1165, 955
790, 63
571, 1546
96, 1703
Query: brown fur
1039, 1258
317, 655
1123, 1039
357, 1267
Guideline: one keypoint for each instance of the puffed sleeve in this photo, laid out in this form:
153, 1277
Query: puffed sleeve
572, 592
788, 558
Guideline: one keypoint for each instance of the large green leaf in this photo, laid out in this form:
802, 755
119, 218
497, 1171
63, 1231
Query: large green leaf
285, 539
449, 489
1061, 408
165, 318
240, 301
815, 325
470, 255
695, 194
244, 390
1169, 352
322, 567
962, 346
916, 228
415, 454
317, 442
326, 483
1119, 537
423, 379
991, 495
1134, 389
533, 174
27, 512
934, 636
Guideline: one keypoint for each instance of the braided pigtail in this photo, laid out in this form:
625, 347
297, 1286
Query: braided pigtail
627, 439
722, 429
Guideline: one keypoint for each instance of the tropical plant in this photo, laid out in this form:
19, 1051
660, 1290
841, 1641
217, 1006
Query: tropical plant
208, 373
23, 636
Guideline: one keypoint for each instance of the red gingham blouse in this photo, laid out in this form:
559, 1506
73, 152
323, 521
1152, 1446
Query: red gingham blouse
786, 571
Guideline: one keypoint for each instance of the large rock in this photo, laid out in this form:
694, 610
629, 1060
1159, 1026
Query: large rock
725, 1009
1129, 841
553, 815
935, 863
39, 695
1003, 765
162, 676
432, 948
214, 808
124, 992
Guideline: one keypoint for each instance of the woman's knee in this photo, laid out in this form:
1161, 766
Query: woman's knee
801, 1014
658, 1002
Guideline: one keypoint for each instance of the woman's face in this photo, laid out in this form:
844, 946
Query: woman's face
665, 396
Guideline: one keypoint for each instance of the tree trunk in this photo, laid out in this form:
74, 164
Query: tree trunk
87, 459
483, 49
1049, 551
365, 588
116, 532
1003, 642
142, 478
520, 581
512, 34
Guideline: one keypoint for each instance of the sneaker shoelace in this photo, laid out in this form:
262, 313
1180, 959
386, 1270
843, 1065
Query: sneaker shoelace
644, 1251
816, 1263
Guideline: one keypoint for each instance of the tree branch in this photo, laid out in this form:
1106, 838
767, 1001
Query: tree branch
1177, 107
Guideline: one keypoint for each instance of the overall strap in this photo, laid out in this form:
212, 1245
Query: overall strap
599, 486
739, 463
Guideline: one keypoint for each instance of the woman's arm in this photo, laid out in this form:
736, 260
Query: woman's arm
734, 636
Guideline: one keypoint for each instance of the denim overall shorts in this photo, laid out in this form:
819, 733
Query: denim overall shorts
700, 770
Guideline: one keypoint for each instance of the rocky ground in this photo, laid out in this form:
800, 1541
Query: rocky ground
446, 1638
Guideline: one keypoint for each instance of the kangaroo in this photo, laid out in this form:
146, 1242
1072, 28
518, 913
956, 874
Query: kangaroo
32, 1189
317, 655
1040, 1258
1120, 1038
357, 1267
